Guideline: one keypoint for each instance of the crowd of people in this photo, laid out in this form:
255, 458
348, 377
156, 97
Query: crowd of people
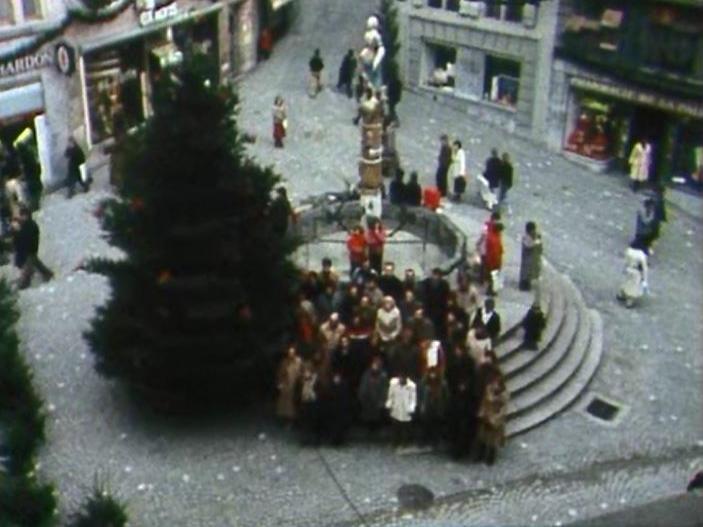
415, 354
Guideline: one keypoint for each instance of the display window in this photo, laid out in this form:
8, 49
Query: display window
114, 89
594, 133
442, 66
501, 82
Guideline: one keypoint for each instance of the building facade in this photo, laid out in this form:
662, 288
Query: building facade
491, 59
68, 71
630, 71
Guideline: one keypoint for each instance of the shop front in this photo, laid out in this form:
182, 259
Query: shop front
118, 72
604, 120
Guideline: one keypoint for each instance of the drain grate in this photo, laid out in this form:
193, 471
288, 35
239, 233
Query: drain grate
602, 409
415, 497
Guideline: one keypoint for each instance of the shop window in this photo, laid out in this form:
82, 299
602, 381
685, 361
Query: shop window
6, 12
453, 5
31, 8
502, 80
513, 11
442, 66
114, 81
596, 130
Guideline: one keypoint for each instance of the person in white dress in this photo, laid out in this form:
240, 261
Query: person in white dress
635, 284
458, 170
640, 161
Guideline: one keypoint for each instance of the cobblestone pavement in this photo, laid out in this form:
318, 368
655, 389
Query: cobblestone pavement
244, 470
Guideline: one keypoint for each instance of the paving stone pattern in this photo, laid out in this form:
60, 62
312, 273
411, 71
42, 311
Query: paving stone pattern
244, 470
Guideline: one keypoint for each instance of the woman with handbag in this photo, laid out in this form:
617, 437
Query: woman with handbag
280, 121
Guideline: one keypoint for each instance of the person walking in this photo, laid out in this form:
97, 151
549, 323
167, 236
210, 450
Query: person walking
640, 161
492, 172
505, 181
459, 176
647, 224
280, 121
346, 73
636, 282
531, 256
444, 161
26, 245
75, 156
316, 66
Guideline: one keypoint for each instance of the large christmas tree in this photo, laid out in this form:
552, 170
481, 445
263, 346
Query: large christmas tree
204, 296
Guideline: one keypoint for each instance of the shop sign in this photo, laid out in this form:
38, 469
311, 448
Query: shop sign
640, 97
65, 58
149, 14
26, 63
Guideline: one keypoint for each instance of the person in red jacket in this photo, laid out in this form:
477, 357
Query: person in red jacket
356, 245
375, 241
493, 260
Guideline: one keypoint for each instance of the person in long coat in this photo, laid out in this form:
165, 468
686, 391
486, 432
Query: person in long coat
458, 169
493, 258
346, 73
444, 160
636, 274
289, 375
433, 395
531, 257
640, 161
372, 394
492, 415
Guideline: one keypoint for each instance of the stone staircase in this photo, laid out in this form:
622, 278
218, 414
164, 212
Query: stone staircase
544, 382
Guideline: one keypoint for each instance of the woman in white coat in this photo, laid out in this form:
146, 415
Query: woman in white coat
635, 283
458, 168
640, 161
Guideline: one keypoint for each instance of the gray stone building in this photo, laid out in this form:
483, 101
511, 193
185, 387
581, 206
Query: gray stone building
630, 71
491, 59
66, 70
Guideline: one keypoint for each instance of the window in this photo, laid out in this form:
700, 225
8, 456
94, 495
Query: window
513, 11
450, 5
6, 14
501, 83
435, 3
442, 62
453, 5
31, 8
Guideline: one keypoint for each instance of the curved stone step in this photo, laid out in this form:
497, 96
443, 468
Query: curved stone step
571, 390
554, 308
551, 357
547, 386
511, 356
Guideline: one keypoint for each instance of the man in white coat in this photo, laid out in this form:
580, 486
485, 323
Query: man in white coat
401, 403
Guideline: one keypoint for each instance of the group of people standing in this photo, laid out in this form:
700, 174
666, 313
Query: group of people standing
494, 183
377, 350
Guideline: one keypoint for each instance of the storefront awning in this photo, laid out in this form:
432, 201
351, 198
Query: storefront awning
22, 100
